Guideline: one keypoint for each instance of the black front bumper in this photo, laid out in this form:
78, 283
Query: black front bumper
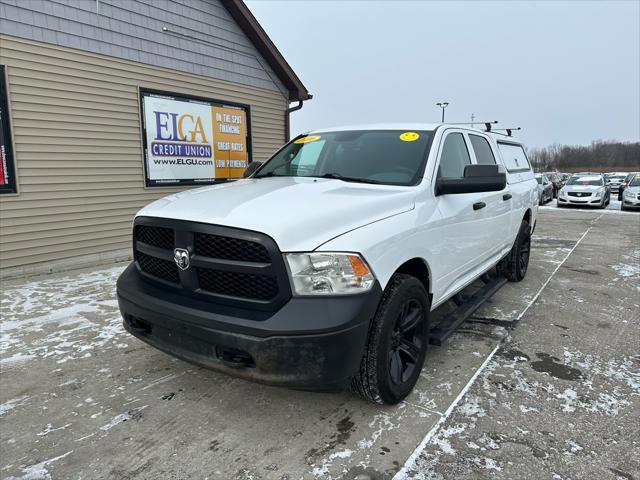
308, 343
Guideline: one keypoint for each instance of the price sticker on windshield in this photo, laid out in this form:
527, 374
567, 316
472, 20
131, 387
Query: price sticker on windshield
308, 139
409, 136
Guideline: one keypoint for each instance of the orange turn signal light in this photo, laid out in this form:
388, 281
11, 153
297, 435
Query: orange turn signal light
359, 267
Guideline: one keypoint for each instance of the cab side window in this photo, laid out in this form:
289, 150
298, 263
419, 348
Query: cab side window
482, 149
454, 157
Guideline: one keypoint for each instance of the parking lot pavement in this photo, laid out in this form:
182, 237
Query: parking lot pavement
543, 380
561, 397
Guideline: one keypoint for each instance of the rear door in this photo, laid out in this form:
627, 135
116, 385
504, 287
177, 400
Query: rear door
498, 209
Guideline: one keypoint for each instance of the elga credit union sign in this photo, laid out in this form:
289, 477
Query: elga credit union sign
190, 140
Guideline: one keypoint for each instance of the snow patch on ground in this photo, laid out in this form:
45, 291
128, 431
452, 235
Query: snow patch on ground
471, 407
13, 403
627, 270
123, 417
62, 317
39, 470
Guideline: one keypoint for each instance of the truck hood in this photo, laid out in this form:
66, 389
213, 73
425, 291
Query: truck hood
299, 213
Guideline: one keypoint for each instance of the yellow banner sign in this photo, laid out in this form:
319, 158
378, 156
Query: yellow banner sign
230, 141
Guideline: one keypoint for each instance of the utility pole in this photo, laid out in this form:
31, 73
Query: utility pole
442, 105
472, 119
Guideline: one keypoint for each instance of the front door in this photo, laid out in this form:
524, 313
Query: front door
469, 231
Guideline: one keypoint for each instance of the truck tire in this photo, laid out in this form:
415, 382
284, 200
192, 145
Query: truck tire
514, 266
397, 343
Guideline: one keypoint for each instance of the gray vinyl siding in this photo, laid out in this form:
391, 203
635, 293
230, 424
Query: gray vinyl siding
202, 38
76, 127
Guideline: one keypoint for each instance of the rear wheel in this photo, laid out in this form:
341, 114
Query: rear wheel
397, 343
514, 266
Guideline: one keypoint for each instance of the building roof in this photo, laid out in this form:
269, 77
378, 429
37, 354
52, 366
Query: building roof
252, 29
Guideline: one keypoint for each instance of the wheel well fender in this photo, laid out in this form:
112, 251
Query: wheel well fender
417, 267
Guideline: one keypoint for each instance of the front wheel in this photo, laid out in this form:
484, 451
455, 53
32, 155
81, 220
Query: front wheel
397, 343
514, 266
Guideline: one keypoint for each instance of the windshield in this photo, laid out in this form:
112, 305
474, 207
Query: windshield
586, 181
390, 157
635, 181
617, 178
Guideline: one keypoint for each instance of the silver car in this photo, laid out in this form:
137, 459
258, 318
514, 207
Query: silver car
585, 190
545, 188
615, 180
631, 194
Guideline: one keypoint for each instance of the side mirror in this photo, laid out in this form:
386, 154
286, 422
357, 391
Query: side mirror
477, 178
252, 167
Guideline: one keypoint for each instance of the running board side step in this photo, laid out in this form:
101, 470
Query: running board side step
465, 309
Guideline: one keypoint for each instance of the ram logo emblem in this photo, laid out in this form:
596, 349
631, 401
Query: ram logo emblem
181, 257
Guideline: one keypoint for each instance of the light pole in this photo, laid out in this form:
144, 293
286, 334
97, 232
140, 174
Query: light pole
442, 105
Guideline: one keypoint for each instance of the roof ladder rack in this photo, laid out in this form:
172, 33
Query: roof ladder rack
509, 130
486, 124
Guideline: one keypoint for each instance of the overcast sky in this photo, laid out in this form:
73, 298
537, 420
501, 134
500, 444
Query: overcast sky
566, 72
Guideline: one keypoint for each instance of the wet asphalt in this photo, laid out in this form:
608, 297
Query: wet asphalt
542, 382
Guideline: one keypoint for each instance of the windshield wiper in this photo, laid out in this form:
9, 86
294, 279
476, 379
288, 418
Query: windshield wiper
338, 176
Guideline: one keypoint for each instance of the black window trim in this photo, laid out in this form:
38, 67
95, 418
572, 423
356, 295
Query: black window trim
9, 166
515, 144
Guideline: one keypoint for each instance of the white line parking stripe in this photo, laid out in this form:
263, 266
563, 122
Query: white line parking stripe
411, 461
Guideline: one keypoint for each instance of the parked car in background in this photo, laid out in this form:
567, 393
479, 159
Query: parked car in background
624, 184
614, 181
545, 188
585, 190
631, 195
556, 180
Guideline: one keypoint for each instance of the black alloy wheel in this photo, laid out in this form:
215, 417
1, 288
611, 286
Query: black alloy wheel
396, 344
514, 266
406, 343
524, 251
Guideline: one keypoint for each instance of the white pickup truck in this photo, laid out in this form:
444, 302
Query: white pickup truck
319, 271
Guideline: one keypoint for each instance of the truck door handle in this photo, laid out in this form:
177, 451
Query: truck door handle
507, 196
479, 205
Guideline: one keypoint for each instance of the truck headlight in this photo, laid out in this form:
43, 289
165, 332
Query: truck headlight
328, 273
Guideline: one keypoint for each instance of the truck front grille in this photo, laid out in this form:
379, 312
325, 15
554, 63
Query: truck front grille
226, 265
157, 267
244, 285
157, 236
230, 248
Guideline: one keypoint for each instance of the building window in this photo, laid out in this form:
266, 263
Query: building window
7, 166
193, 141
